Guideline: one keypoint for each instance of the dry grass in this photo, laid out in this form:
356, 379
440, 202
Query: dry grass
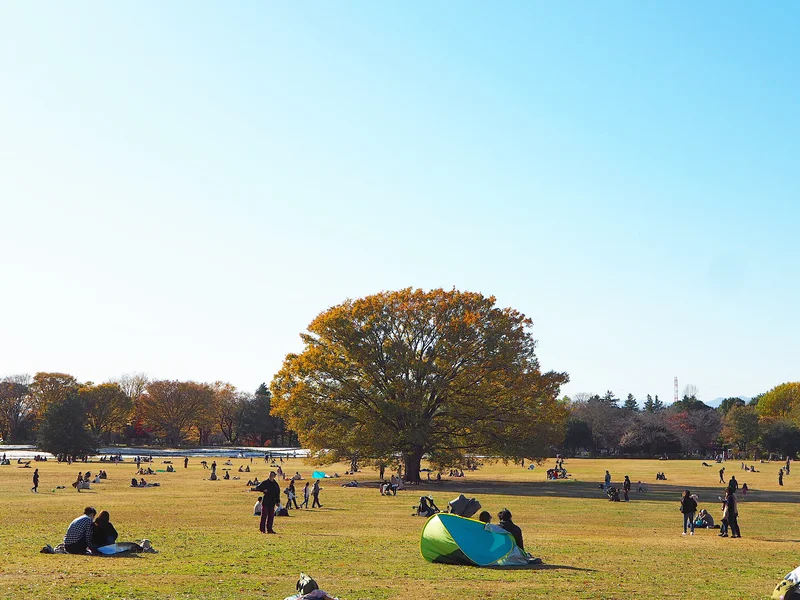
364, 546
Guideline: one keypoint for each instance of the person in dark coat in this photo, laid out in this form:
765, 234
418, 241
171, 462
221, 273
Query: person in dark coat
272, 495
506, 523
103, 532
315, 495
688, 508
626, 487
733, 515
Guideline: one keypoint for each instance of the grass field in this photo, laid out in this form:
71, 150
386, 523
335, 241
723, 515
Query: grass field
361, 545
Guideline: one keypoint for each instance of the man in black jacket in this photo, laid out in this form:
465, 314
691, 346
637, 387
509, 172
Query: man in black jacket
511, 527
272, 495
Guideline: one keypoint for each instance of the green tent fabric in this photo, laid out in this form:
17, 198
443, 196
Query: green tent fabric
455, 540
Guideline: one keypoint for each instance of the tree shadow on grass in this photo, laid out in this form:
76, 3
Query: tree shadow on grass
569, 488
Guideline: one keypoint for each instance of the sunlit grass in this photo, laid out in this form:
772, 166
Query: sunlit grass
365, 546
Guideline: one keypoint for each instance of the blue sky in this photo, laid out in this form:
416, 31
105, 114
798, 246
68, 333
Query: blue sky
183, 187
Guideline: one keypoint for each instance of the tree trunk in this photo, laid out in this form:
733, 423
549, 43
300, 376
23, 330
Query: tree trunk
412, 464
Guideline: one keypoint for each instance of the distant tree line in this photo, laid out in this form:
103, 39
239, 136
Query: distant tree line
133, 409
767, 424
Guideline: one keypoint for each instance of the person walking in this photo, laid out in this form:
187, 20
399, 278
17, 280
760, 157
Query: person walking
722, 475
780, 477
733, 485
733, 515
788, 461
214, 468
292, 495
185, 462
315, 494
607, 481
626, 487
688, 508
272, 495
35, 487
306, 493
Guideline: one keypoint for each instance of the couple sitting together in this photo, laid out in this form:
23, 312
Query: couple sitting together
89, 532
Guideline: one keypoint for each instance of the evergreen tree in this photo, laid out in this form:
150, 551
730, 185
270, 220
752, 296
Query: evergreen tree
631, 404
649, 405
64, 429
609, 398
657, 404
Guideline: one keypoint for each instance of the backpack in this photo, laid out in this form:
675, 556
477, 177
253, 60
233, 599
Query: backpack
306, 585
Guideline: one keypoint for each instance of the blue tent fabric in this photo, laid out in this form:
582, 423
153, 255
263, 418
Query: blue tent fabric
318, 475
452, 539
119, 548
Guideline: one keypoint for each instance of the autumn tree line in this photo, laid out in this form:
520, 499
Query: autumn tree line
768, 424
392, 379
133, 409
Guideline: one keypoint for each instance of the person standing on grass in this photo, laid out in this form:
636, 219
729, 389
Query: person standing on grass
272, 495
626, 487
306, 493
722, 475
607, 480
688, 508
733, 515
35, 487
315, 494
185, 462
780, 477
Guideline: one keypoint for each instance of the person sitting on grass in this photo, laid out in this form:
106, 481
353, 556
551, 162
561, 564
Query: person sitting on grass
506, 523
704, 519
79, 533
257, 507
103, 532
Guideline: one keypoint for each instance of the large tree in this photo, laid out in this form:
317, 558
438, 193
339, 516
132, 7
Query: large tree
170, 408
781, 402
442, 373
740, 426
108, 408
16, 408
63, 428
51, 388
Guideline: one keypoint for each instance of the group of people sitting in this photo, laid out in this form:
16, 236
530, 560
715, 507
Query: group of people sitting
456, 473
84, 479
557, 473
661, 477
142, 483
389, 488
244, 470
147, 471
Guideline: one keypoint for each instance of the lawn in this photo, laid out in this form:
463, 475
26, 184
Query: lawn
361, 545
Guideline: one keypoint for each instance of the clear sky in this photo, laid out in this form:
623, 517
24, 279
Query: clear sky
185, 185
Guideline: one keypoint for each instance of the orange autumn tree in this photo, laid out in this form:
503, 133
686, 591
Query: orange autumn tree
411, 373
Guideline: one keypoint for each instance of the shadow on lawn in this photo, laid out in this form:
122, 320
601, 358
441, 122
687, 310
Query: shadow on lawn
659, 492
538, 568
